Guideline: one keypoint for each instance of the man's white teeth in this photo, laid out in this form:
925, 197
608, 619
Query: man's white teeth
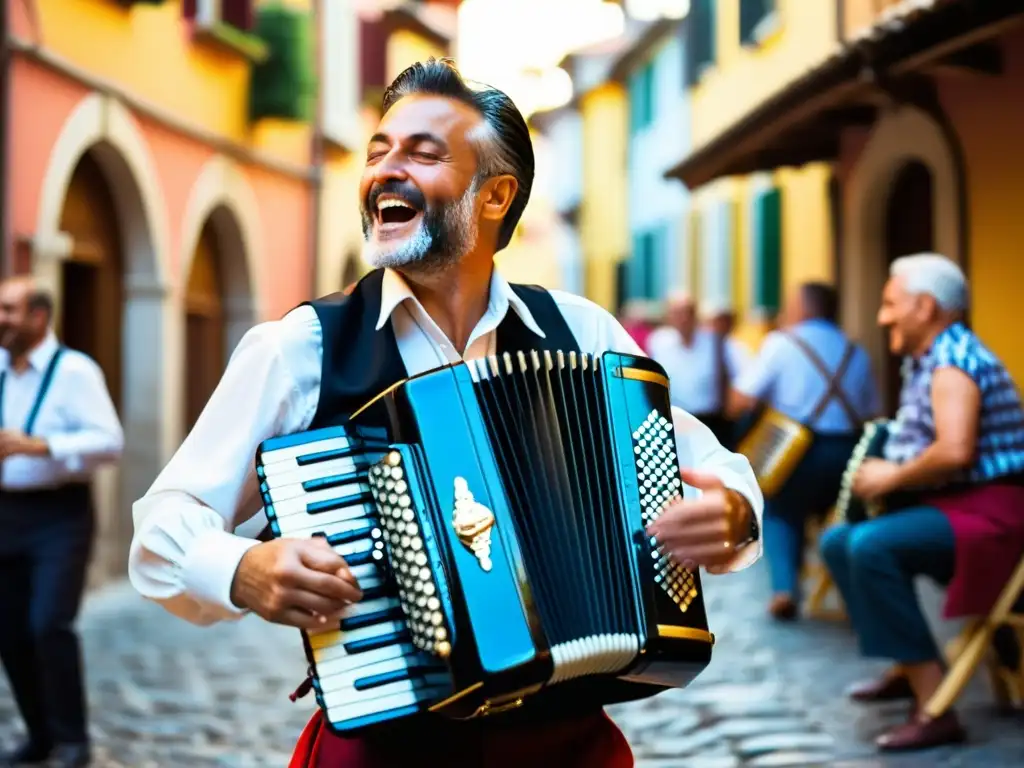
392, 204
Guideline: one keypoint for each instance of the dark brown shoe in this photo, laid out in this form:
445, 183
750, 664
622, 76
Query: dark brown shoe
923, 733
888, 688
782, 608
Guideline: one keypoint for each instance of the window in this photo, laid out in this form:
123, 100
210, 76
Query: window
641, 98
284, 86
208, 13
700, 40
644, 272
757, 20
718, 246
766, 249
339, 57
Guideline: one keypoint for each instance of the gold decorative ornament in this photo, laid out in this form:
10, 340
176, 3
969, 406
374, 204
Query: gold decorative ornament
473, 522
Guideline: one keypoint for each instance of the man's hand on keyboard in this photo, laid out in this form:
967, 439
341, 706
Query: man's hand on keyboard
299, 582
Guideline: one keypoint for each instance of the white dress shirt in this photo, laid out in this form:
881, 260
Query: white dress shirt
785, 379
187, 544
693, 368
77, 419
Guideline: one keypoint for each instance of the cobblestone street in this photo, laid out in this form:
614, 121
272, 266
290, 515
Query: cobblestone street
166, 694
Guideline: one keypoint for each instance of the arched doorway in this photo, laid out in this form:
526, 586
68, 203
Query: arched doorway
909, 228
92, 275
205, 332
218, 307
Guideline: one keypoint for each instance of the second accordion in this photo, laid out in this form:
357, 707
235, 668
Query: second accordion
494, 513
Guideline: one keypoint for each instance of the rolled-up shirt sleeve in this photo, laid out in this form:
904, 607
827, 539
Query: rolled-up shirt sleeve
185, 551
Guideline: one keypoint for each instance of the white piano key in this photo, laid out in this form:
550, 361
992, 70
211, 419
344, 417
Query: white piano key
330, 644
292, 452
371, 698
329, 523
344, 679
370, 606
341, 712
328, 671
285, 473
297, 505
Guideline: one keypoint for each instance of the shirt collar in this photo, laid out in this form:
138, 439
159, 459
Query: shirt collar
38, 358
395, 290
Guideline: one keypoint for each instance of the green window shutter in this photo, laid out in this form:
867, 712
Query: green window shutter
283, 86
768, 249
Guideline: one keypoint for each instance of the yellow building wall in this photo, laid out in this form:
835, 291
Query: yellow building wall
405, 48
743, 77
604, 220
145, 50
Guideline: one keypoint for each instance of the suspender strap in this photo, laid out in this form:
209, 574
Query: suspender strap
44, 388
833, 380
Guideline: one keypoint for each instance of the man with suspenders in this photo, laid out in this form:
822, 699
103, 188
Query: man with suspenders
812, 373
57, 424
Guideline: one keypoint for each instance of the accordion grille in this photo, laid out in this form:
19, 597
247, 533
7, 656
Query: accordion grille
546, 420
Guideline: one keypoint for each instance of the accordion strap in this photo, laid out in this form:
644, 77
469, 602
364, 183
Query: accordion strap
834, 388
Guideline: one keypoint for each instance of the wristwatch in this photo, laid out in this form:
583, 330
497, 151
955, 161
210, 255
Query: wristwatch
754, 531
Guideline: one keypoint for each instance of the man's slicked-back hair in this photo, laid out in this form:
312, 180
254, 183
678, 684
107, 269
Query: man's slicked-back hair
820, 301
504, 147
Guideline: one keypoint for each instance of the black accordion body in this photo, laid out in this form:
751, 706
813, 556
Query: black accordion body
494, 513
871, 445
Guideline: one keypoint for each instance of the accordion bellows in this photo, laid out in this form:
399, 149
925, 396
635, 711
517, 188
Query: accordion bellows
495, 514
870, 446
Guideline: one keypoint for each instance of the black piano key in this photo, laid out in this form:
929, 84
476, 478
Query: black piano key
374, 681
359, 558
344, 501
353, 534
334, 481
377, 592
377, 617
381, 641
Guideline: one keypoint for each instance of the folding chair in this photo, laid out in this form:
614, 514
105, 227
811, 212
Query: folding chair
817, 574
975, 643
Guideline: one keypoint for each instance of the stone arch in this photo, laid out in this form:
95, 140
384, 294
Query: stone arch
907, 134
221, 195
107, 131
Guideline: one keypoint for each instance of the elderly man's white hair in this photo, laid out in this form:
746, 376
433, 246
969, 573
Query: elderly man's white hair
934, 275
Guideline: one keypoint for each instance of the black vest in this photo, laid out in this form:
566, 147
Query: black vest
358, 363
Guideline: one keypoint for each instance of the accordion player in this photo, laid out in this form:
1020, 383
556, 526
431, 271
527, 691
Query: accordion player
494, 513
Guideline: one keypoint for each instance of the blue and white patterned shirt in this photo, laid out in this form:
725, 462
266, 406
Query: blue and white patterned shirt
1000, 449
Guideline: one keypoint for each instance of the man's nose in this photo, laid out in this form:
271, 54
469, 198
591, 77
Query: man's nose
391, 167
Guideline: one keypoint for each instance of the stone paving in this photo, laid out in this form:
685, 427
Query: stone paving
165, 694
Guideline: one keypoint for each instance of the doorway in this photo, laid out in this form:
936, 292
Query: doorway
92, 295
909, 228
205, 325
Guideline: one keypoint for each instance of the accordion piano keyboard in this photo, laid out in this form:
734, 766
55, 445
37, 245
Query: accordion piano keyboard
366, 669
546, 419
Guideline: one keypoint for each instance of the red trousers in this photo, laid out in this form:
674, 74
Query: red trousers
590, 742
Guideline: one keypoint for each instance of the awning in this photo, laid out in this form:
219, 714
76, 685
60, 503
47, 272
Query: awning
803, 122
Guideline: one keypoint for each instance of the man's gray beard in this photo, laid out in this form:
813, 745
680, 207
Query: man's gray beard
430, 248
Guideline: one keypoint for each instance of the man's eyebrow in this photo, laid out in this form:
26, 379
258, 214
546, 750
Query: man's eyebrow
416, 138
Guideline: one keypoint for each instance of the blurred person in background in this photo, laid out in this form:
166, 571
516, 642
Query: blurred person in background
640, 317
812, 373
57, 425
700, 362
447, 176
955, 456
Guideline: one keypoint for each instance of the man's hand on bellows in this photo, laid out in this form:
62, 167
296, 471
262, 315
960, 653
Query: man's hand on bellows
703, 531
299, 582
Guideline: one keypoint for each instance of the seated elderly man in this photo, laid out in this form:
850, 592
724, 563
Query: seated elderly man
954, 458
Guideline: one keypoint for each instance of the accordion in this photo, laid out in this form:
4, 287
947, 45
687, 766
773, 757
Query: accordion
871, 445
494, 513
774, 446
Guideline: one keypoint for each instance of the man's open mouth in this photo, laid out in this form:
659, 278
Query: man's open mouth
393, 210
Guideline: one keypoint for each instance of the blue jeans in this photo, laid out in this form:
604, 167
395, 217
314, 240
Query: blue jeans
874, 563
811, 491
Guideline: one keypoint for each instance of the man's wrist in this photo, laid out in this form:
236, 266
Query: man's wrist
39, 447
744, 522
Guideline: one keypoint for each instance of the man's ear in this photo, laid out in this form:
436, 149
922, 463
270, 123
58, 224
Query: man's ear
497, 196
